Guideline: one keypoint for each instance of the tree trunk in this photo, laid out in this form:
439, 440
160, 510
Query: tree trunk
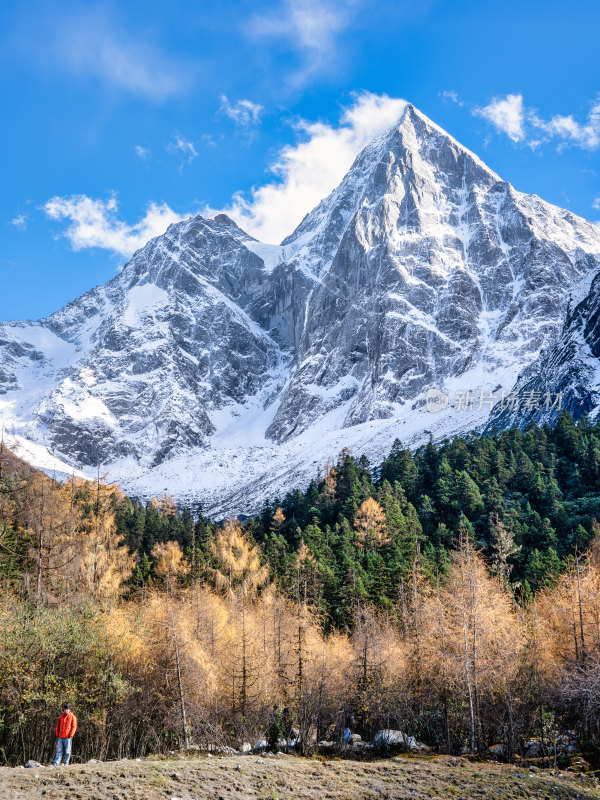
186, 741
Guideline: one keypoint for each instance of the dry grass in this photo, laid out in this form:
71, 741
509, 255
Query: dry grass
289, 778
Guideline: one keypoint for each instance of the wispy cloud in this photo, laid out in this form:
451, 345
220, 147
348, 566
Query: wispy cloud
509, 115
452, 97
309, 170
93, 44
596, 203
567, 130
20, 221
141, 152
184, 148
308, 27
242, 112
96, 223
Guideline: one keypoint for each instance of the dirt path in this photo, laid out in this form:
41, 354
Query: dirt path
290, 778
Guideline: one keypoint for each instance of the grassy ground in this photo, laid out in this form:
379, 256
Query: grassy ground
283, 777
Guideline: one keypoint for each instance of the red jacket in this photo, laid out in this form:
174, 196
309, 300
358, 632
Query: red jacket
66, 725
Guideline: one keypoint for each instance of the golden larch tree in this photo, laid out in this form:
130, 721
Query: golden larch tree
370, 524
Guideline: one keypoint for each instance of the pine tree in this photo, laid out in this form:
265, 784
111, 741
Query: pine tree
467, 497
502, 547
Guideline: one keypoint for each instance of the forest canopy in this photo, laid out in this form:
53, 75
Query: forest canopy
452, 592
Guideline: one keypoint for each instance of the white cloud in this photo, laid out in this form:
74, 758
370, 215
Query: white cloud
522, 124
452, 96
309, 27
567, 129
309, 170
596, 203
187, 149
242, 112
95, 223
20, 221
506, 114
95, 46
141, 152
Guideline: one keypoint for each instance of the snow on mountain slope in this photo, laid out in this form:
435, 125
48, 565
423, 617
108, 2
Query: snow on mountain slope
441, 269
41, 458
567, 374
224, 370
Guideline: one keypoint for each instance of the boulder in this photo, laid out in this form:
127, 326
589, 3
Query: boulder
294, 738
533, 748
580, 765
261, 744
497, 750
355, 737
246, 747
418, 747
388, 736
568, 743
32, 764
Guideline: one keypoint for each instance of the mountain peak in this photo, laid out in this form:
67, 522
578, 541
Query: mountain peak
413, 159
424, 130
221, 369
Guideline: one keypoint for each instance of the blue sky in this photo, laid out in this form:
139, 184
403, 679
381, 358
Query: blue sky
121, 117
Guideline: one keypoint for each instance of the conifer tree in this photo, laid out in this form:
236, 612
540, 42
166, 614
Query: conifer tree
370, 524
502, 547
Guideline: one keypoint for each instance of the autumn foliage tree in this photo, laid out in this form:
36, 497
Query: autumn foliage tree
370, 524
452, 593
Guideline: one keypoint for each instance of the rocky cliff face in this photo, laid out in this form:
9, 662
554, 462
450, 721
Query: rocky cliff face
567, 374
177, 335
214, 366
441, 268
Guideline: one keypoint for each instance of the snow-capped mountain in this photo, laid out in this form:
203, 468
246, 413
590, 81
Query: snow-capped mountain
225, 370
567, 374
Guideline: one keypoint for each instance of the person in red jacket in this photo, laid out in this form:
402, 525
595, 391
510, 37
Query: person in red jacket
65, 730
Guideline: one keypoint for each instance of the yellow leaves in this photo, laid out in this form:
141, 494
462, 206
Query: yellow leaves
567, 623
105, 562
278, 519
239, 569
170, 562
167, 505
469, 629
330, 481
304, 557
122, 633
74, 550
370, 523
